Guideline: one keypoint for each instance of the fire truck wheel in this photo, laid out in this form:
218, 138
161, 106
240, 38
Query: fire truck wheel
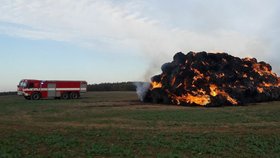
74, 95
35, 96
65, 96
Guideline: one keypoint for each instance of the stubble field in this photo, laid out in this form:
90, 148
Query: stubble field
116, 124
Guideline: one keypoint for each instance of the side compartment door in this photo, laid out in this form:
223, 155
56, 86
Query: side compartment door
83, 88
51, 90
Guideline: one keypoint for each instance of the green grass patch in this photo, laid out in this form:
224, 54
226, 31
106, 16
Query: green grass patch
115, 124
140, 143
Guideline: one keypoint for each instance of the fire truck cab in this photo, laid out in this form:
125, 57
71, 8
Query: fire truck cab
50, 89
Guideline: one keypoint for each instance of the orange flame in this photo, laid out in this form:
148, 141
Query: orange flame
262, 70
199, 75
199, 99
260, 89
266, 84
214, 91
155, 85
173, 81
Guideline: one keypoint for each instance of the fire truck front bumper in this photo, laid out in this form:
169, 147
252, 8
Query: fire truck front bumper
26, 94
19, 93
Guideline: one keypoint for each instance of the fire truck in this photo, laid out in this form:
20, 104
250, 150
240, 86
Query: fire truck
49, 89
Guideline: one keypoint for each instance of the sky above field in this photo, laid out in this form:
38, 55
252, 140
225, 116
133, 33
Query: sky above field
113, 41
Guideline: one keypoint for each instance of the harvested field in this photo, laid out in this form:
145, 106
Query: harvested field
116, 124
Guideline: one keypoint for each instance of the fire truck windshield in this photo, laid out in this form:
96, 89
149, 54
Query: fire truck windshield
22, 84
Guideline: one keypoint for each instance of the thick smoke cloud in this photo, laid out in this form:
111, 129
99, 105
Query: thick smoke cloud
153, 30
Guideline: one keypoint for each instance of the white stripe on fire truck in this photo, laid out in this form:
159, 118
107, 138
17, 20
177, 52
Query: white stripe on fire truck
57, 89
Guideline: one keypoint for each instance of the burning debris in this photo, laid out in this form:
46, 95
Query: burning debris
213, 79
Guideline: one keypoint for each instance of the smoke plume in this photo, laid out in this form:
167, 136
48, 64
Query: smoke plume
141, 89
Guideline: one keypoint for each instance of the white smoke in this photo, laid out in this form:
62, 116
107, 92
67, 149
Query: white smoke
141, 89
101, 23
153, 31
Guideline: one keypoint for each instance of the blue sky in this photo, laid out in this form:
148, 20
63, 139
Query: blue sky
114, 41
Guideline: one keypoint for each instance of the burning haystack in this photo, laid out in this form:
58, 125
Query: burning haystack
213, 79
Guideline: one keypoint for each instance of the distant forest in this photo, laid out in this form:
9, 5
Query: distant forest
7, 93
118, 86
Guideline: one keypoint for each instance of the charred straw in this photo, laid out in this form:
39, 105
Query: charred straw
213, 79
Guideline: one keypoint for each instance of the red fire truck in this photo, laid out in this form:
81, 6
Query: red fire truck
46, 89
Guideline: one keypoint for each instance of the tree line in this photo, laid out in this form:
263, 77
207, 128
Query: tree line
118, 86
7, 93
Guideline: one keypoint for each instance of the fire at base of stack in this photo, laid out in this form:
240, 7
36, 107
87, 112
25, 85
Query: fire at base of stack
213, 79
